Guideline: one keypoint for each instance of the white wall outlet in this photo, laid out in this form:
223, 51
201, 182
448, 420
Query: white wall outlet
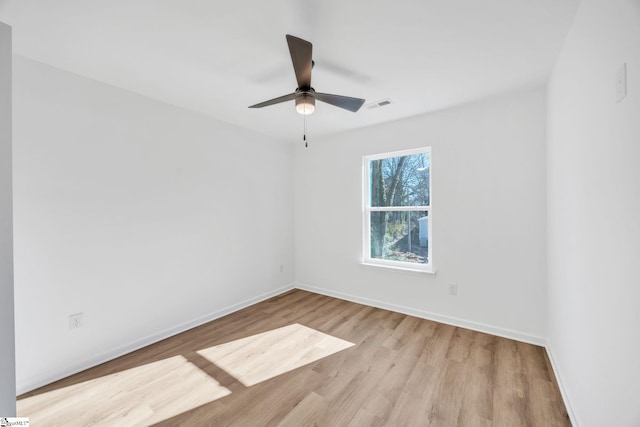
453, 289
281, 268
621, 83
76, 321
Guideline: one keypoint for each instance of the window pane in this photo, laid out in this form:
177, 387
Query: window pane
400, 181
400, 236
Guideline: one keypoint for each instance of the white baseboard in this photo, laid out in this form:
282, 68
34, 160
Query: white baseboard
36, 382
454, 321
561, 386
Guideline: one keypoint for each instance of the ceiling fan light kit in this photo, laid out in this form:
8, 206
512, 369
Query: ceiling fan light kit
305, 103
305, 96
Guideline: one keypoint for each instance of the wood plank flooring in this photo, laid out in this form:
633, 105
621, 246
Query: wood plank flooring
402, 371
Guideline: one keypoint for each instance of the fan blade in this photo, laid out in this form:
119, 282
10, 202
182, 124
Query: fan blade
300, 51
346, 102
275, 101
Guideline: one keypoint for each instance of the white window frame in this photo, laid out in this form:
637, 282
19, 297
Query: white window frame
367, 209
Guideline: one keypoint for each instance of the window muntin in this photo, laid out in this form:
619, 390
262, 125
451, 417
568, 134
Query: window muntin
397, 206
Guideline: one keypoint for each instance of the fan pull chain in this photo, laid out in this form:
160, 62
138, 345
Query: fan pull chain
304, 138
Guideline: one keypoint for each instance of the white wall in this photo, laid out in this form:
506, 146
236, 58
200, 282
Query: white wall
7, 343
489, 227
593, 216
145, 217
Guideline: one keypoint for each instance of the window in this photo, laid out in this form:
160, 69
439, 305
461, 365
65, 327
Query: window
397, 209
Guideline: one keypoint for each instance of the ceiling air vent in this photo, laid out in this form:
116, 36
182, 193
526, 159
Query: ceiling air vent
377, 104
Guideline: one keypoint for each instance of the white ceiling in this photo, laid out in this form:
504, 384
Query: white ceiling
219, 57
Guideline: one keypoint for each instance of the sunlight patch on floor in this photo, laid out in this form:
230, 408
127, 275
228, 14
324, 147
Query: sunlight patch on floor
143, 395
263, 356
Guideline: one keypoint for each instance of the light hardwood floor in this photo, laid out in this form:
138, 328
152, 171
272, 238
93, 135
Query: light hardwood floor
400, 371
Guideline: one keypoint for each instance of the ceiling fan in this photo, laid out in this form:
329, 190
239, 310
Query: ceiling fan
305, 96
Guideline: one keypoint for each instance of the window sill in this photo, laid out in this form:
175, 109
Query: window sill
399, 269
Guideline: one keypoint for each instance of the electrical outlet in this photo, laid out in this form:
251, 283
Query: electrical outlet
621, 83
75, 321
453, 289
281, 268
